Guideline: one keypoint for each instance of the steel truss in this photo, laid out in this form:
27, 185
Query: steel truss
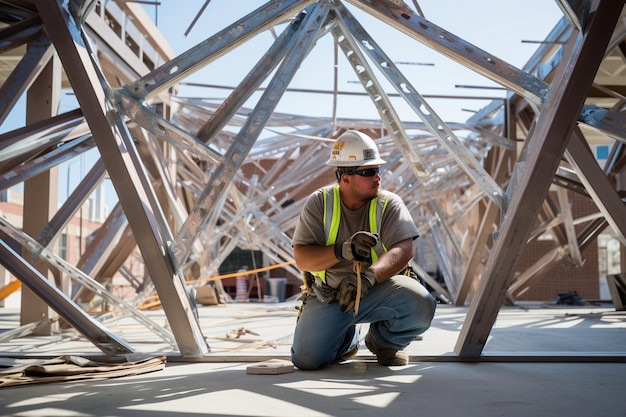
197, 178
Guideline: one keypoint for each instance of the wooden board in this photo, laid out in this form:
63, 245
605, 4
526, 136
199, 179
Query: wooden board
271, 367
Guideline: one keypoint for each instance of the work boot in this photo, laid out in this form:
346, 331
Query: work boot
350, 335
386, 357
349, 354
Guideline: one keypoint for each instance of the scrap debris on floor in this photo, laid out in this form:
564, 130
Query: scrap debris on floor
70, 368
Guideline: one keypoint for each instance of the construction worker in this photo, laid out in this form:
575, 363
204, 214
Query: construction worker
353, 241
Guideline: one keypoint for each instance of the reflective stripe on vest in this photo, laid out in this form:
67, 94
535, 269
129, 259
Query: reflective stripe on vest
332, 218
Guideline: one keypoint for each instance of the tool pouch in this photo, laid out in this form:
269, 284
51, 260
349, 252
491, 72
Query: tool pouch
324, 293
410, 272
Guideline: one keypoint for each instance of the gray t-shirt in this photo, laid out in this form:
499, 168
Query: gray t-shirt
396, 225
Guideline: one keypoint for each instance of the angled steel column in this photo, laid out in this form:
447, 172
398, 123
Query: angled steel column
479, 254
37, 136
44, 163
613, 167
568, 224
164, 129
41, 190
348, 35
225, 40
402, 17
81, 321
597, 184
438, 128
32, 63
73, 203
120, 156
541, 159
249, 84
61, 267
538, 269
107, 239
234, 157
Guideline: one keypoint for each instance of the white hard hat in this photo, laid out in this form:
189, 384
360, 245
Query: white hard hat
354, 149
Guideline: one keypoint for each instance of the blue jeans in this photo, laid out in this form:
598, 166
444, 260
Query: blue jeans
398, 310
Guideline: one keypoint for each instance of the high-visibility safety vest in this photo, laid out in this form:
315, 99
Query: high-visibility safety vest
332, 218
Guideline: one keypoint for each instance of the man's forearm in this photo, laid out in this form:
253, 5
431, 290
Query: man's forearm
314, 258
393, 261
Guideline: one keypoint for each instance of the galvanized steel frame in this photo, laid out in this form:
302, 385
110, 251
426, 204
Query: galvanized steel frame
173, 209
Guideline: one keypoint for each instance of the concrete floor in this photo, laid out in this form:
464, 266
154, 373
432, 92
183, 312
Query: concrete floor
541, 360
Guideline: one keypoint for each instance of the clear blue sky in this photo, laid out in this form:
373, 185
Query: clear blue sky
496, 26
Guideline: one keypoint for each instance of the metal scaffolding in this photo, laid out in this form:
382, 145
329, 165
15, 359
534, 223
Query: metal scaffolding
198, 177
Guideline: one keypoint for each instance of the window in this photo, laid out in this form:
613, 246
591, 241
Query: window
602, 152
63, 246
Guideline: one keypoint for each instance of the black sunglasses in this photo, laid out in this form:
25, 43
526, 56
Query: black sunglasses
367, 172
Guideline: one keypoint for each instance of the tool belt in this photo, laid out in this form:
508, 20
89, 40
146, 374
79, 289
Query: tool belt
314, 286
325, 294
410, 272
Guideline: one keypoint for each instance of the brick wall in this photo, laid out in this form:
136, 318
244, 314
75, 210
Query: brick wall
566, 276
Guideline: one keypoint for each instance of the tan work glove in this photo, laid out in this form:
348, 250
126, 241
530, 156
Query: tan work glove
347, 293
357, 248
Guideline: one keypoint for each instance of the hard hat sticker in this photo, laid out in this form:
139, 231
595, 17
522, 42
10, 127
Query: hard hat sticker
337, 147
354, 148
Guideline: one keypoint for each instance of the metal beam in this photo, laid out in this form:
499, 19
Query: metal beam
42, 134
402, 17
543, 154
81, 321
576, 11
20, 33
478, 253
223, 174
225, 40
164, 129
433, 122
568, 224
27, 70
61, 267
249, 84
73, 203
120, 156
597, 184
538, 269
43, 163
349, 35
106, 241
